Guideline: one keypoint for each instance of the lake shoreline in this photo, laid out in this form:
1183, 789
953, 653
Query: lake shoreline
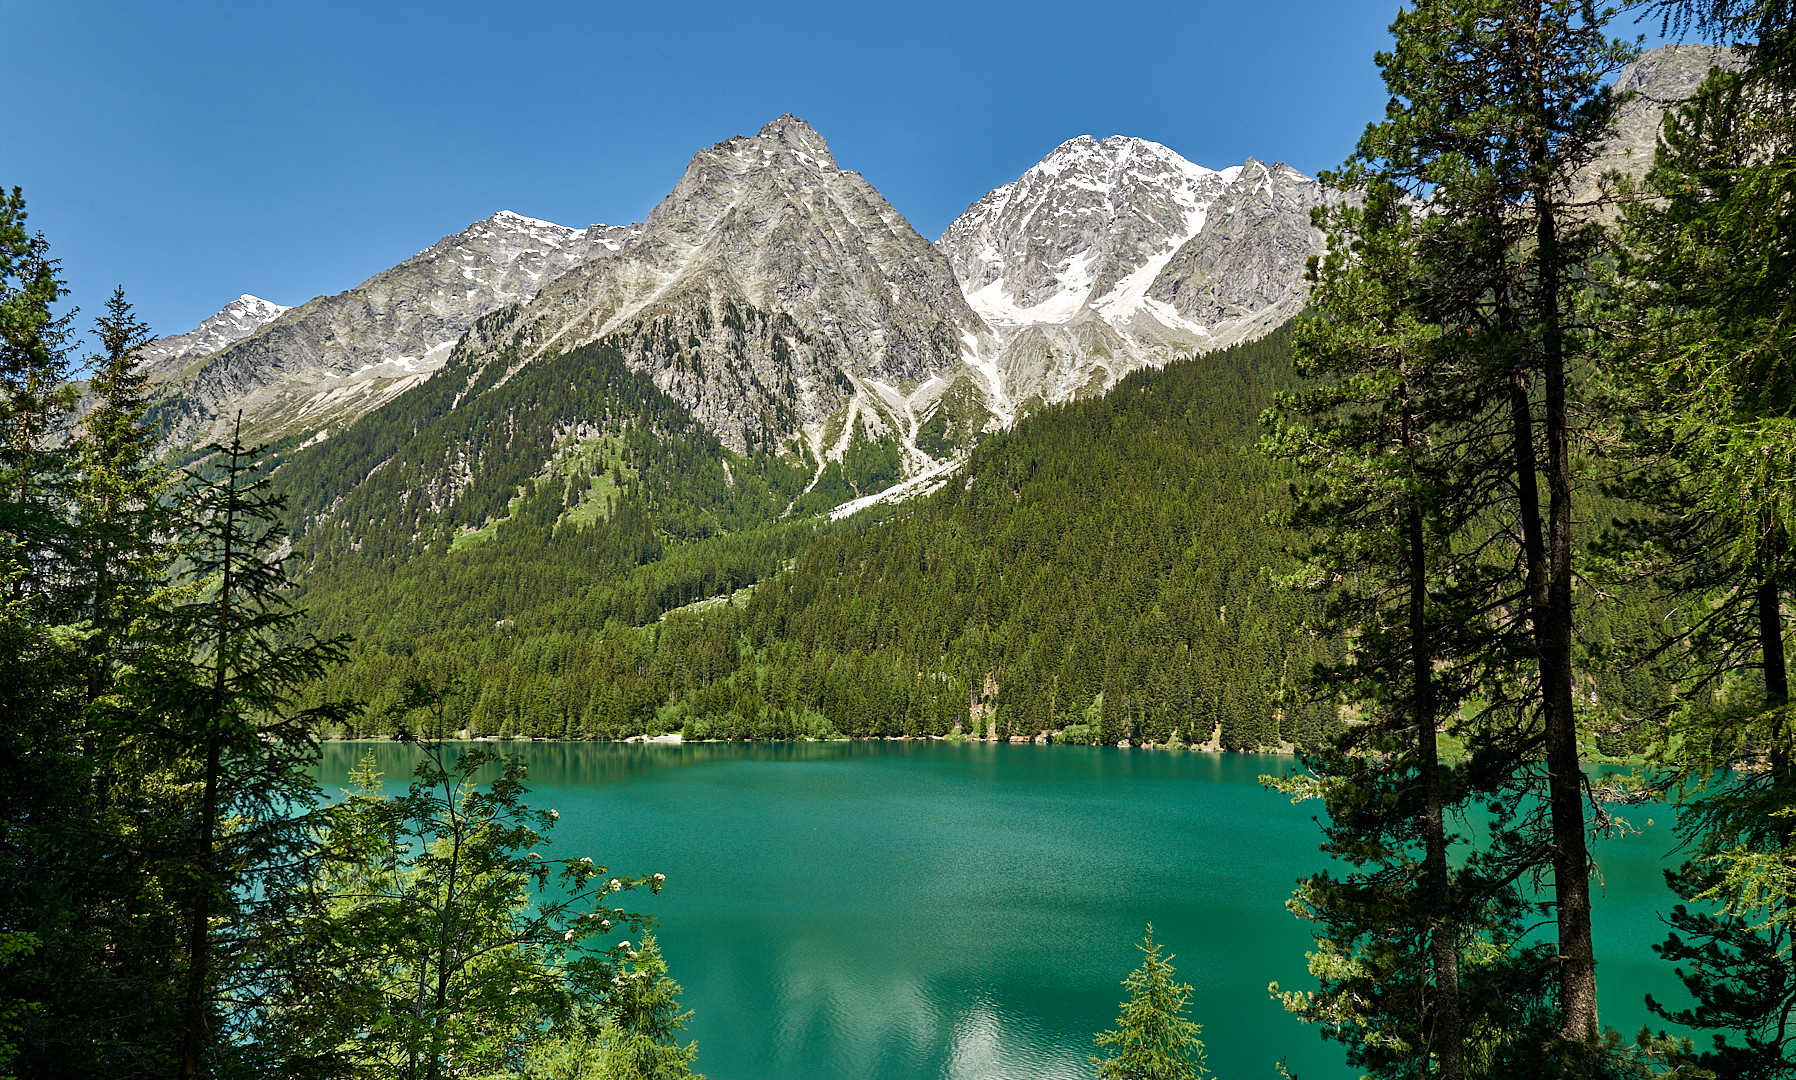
664, 740
660, 740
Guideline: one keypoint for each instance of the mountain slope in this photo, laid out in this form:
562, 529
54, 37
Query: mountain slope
1068, 232
1087, 266
1094, 571
337, 357
239, 319
860, 320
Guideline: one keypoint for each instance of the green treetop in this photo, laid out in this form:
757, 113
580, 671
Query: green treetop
1153, 1039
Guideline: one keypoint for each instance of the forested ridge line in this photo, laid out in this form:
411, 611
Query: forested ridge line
1098, 571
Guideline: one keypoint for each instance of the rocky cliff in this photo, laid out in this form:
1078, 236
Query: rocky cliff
336, 357
773, 293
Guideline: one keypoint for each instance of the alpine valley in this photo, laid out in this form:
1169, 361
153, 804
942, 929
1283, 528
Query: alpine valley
770, 464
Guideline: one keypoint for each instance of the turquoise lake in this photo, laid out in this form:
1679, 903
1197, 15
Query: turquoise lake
874, 910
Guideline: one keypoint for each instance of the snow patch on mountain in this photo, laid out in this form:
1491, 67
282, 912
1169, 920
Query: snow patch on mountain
1075, 228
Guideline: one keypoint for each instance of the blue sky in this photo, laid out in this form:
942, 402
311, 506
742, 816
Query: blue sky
195, 151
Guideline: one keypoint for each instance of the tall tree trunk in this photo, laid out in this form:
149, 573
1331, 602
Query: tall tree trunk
1565, 775
1777, 678
1443, 939
1771, 646
198, 931
100, 645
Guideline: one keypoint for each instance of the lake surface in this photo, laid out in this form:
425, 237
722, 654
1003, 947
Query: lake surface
874, 910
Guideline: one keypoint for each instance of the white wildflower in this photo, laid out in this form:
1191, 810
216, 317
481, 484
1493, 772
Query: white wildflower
569, 936
616, 885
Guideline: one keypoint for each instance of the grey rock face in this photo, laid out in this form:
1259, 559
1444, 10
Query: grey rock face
848, 301
239, 319
1076, 225
1244, 273
749, 375
336, 357
1657, 80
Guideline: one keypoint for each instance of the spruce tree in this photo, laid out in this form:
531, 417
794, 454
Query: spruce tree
45, 849
1705, 393
247, 753
1153, 1038
119, 494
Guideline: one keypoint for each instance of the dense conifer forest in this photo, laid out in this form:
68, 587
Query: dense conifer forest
1098, 574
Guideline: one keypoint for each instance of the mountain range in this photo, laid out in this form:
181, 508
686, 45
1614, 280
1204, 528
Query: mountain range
784, 301
610, 479
790, 310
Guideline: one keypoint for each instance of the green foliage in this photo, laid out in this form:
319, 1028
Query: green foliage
1104, 551
1705, 398
1153, 1038
171, 903
638, 1038
443, 943
1739, 976
1383, 507
1440, 460
246, 749
120, 494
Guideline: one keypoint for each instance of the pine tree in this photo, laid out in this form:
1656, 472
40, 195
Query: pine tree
45, 849
1496, 106
248, 752
1153, 1038
1385, 437
119, 492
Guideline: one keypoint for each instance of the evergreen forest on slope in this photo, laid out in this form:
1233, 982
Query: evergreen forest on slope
1098, 572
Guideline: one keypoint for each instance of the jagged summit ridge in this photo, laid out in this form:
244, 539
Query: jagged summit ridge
335, 357
1072, 228
234, 322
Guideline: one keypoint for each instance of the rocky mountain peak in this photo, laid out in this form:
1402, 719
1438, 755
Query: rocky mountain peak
768, 292
1073, 228
791, 132
234, 322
